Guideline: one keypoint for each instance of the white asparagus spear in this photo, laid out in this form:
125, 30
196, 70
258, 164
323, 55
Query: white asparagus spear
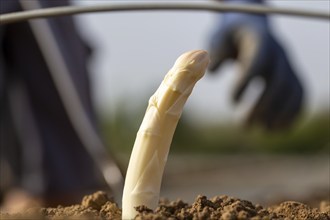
153, 140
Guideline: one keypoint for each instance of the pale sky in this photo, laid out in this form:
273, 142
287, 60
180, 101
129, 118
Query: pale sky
134, 50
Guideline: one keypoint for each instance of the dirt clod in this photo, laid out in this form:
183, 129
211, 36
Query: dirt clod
95, 201
296, 210
99, 207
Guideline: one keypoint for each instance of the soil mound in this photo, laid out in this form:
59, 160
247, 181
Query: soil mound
99, 206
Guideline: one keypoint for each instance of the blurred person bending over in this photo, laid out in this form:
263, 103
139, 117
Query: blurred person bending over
51, 163
248, 39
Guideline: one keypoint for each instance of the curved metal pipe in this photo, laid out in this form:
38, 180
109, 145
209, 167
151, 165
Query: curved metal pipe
129, 6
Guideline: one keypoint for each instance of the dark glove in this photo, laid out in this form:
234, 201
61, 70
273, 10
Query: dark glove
247, 39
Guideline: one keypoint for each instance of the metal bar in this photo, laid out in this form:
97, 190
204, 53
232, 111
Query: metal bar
129, 6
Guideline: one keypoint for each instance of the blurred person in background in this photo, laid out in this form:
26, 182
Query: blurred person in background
43, 160
248, 39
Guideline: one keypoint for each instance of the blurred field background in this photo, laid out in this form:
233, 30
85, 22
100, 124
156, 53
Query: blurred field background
310, 135
224, 159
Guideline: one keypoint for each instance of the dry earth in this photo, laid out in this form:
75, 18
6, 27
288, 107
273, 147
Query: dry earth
99, 206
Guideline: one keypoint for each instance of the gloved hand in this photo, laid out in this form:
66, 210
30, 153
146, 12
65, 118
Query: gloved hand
248, 39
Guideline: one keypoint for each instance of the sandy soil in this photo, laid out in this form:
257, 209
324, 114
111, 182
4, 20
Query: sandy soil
99, 206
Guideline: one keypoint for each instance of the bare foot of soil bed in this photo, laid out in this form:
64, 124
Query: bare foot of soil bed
99, 206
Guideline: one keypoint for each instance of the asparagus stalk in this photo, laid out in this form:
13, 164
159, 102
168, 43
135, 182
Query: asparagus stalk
153, 140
